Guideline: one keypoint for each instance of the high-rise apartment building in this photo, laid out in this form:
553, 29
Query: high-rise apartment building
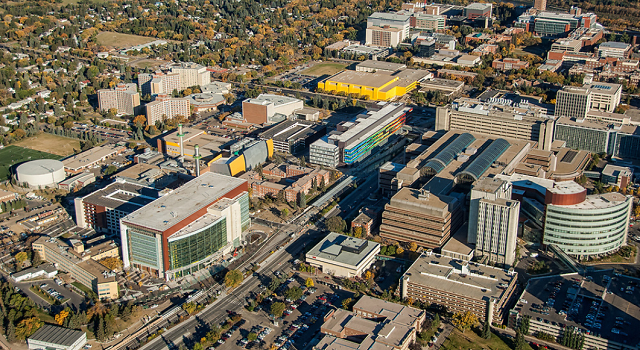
158, 83
384, 36
191, 74
493, 220
540, 5
168, 107
124, 98
390, 20
573, 102
188, 229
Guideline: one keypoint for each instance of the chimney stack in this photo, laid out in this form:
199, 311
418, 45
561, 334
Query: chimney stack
196, 158
181, 136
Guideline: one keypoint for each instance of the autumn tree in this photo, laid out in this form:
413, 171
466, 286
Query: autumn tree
308, 283
233, 278
413, 246
464, 321
347, 304
277, 309
60, 317
21, 257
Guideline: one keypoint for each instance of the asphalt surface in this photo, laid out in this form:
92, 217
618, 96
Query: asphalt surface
192, 329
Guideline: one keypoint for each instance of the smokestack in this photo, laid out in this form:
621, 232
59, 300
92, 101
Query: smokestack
196, 158
181, 136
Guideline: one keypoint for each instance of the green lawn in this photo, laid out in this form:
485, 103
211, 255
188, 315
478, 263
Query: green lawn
82, 287
12, 155
469, 340
326, 68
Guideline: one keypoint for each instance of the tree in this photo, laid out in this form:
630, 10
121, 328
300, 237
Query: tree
346, 304
519, 342
277, 309
308, 282
336, 224
368, 275
100, 334
302, 200
357, 232
110, 170
189, 307
303, 162
233, 278
21, 257
60, 317
11, 332
252, 336
293, 293
35, 259
464, 321
284, 213
399, 251
413, 246
486, 330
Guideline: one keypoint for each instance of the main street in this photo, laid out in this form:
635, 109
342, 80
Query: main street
195, 327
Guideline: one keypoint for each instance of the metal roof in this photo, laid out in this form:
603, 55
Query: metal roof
485, 159
444, 157
57, 335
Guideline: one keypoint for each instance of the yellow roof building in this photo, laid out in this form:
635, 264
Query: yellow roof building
376, 86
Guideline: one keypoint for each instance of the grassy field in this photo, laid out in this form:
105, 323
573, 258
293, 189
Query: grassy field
327, 68
120, 40
50, 143
471, 341
148, 63
11, 155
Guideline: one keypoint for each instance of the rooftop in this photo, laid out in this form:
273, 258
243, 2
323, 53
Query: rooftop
616, 170
488, 184
389, 16
399, 313
614, 45
604, 88
390, 66
599, 201
57, 335
268, 99
291, 129
184, 201
91, 156
370, 123
122, 195
342, 249
469, 279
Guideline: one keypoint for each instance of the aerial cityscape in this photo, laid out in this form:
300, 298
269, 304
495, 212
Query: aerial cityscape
319, 175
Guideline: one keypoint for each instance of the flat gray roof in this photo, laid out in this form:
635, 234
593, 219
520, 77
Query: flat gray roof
57, 335
337, 247
182, 202
382, 65
446, 274
614, 45
122, 195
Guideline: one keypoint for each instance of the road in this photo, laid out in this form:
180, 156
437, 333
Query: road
216, 312
352, 203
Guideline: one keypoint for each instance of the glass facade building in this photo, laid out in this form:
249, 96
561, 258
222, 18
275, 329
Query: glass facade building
144, 247
189, 253
587, 230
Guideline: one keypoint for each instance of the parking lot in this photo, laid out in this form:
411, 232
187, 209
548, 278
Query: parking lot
62, 293
299, 325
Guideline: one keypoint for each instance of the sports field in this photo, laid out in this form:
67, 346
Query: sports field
49, 143
326, 68
120, 40
12, 155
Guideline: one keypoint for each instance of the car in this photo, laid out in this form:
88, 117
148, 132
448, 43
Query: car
221, 341
44, 285
244, 341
